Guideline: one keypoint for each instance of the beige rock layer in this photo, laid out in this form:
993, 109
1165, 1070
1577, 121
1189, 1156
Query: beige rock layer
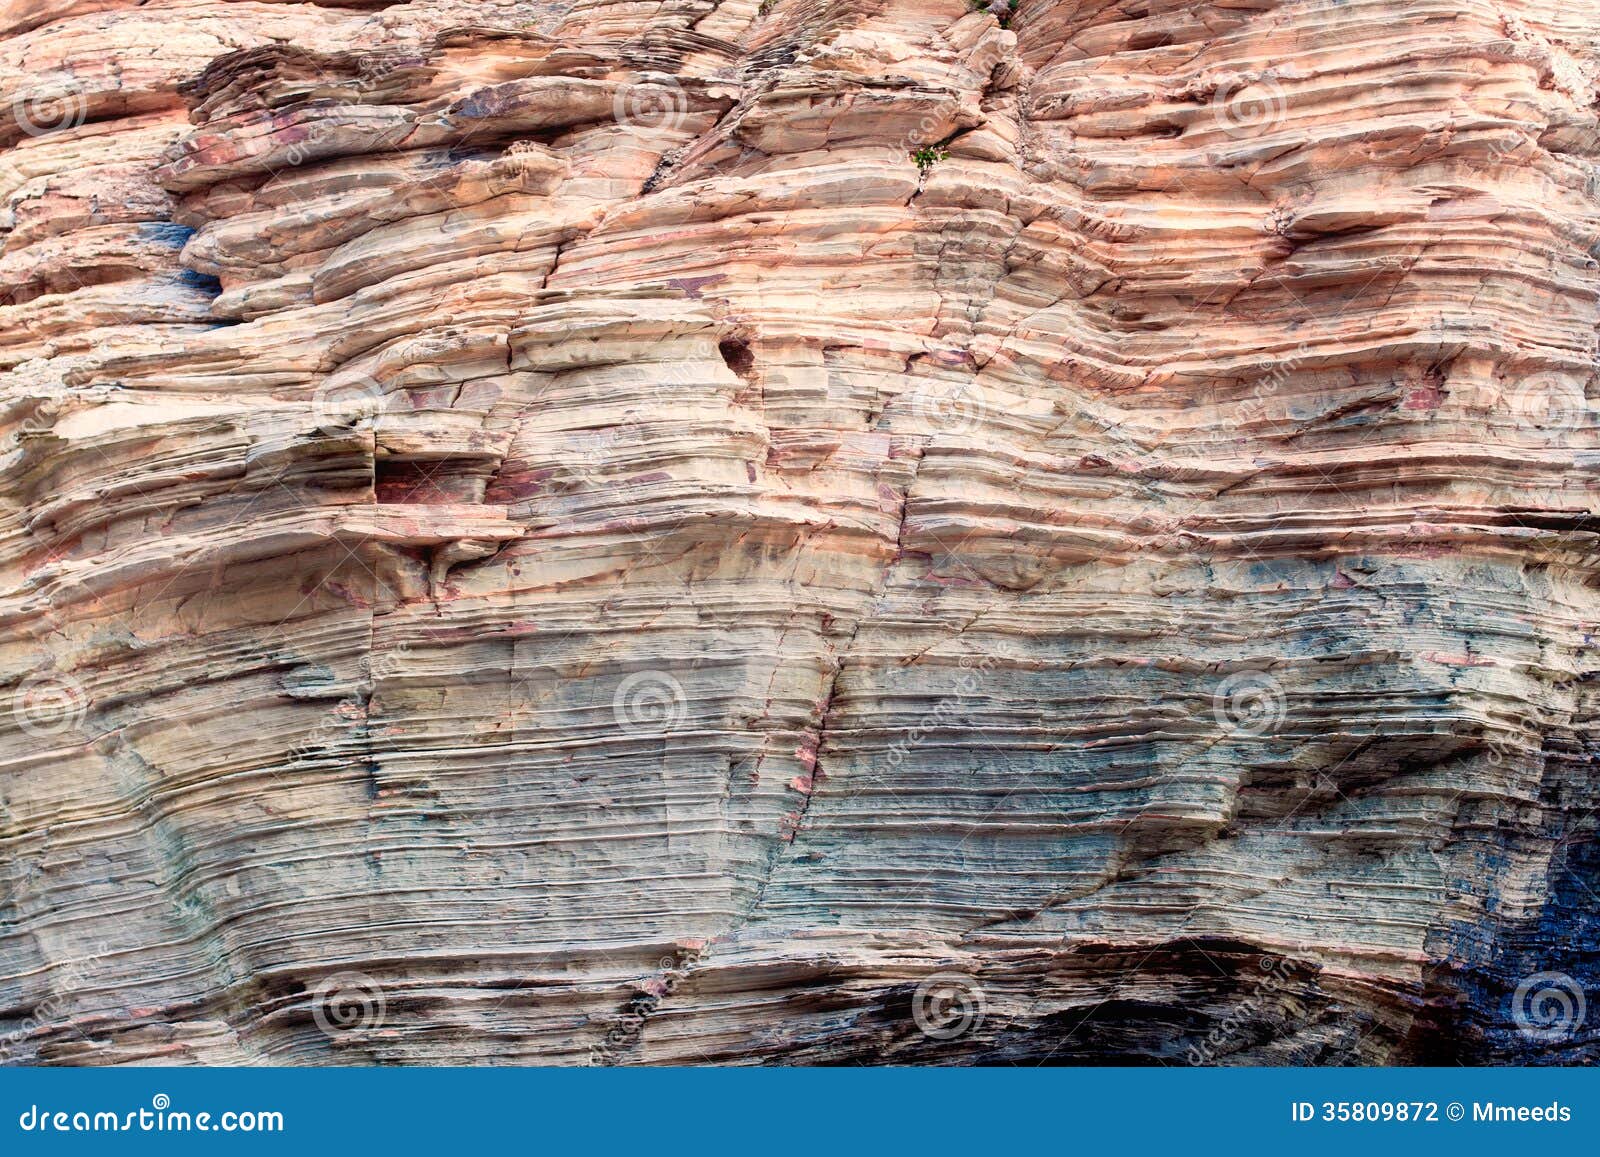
539, 532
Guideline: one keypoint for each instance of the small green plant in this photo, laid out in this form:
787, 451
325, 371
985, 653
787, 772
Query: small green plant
929, 156
766, 6
999, 9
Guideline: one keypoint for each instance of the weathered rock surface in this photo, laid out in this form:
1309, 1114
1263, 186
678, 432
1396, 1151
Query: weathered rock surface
537, 532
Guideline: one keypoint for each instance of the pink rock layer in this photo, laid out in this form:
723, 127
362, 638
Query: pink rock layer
583, 531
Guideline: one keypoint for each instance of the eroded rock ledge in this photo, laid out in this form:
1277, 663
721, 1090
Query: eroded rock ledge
798, 530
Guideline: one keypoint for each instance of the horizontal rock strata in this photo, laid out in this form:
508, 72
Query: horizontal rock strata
799, 531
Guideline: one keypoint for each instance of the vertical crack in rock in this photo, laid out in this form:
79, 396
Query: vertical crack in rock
449, 464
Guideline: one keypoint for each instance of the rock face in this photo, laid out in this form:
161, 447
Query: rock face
751, 531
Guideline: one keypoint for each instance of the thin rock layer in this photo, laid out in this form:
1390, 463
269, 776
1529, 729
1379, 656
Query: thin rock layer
812, 531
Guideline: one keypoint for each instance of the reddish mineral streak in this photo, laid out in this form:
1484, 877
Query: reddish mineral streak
1128, 475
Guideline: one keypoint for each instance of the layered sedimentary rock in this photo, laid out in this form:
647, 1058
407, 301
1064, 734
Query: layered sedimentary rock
754, 531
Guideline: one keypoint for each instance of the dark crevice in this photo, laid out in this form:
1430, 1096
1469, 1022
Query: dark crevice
736, 354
